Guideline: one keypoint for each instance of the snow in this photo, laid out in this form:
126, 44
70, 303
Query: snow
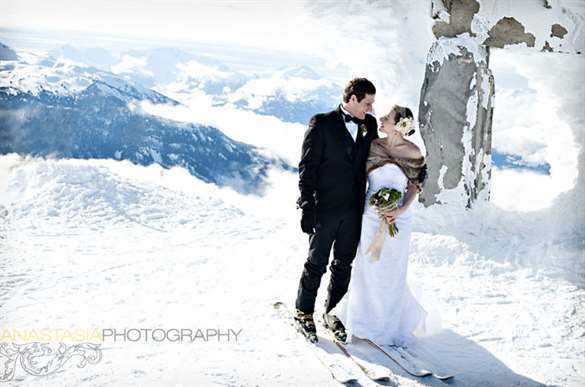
454, 46
35, 77
37, 72
484, 90
537, 20
126, 246
486, 173
468, 174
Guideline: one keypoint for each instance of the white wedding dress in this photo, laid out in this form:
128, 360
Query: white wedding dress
379, 304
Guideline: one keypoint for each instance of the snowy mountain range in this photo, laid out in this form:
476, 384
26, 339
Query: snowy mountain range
290, 93
62, 109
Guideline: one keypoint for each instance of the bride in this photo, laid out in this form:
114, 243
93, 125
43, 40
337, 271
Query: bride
379, 304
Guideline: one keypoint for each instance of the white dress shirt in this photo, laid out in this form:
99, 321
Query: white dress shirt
351, 126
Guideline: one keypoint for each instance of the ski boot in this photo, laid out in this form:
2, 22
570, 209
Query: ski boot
306, 325
334, 324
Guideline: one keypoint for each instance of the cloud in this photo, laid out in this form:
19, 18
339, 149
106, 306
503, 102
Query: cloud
282, 138
199, 70
129, 64
529, 121
257, 90
521, 190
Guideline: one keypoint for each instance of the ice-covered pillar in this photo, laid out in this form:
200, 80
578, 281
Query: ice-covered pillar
455, 115
456, 103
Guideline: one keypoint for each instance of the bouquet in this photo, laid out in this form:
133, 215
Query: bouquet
384, 199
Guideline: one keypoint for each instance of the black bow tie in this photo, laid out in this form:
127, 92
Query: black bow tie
347, 118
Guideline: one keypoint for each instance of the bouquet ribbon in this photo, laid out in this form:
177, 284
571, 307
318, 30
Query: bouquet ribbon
375, 247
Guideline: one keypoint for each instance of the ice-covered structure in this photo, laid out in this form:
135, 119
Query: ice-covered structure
457, 96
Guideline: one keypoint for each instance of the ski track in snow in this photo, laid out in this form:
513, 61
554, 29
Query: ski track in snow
88, 243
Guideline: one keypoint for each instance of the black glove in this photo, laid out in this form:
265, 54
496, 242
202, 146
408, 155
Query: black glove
309, 216
308, 221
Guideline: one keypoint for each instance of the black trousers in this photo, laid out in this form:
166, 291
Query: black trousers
342, 232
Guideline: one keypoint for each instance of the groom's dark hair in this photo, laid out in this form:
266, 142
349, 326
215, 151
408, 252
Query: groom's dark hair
358, 87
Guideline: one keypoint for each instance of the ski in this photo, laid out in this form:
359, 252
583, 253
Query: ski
414, 358
334, 360
403, 361
341, 369
412, 363
365, 362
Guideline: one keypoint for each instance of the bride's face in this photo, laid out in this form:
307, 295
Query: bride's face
387, 125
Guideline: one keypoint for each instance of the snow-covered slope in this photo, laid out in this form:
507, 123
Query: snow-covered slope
104, 244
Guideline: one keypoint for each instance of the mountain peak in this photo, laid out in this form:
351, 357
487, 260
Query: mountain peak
302, 71
7, 53
125, 91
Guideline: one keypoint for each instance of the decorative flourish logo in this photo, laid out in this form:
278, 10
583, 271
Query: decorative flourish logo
41, 359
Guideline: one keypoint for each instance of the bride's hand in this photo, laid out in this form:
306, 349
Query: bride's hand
391, 215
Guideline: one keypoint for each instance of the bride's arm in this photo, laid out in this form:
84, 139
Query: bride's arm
409, 196
411, 192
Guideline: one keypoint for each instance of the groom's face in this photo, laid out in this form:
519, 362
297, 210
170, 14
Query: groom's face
362, 107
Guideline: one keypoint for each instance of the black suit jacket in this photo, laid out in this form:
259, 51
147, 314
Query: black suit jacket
332, 170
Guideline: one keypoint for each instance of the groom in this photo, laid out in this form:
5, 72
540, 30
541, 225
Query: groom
332, 181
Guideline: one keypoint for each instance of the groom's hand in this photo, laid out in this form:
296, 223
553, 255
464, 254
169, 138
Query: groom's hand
308, 217
308, 221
